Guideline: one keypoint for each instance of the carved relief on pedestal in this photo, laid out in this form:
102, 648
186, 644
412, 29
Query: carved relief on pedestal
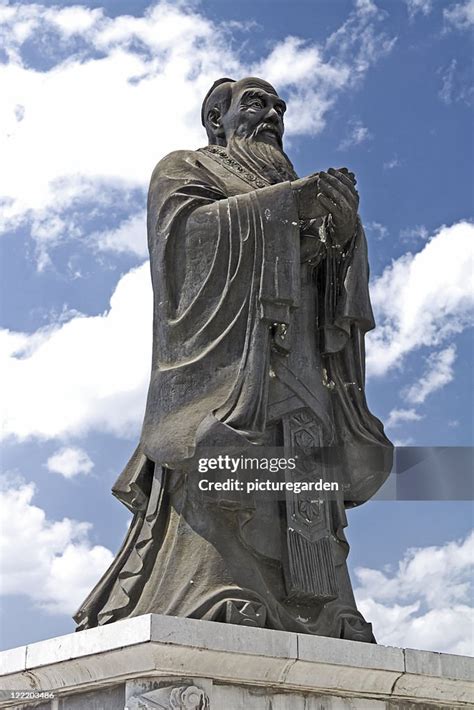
183, 697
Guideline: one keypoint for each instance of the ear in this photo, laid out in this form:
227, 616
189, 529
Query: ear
214, 121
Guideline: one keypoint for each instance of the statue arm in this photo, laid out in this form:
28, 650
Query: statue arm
203, 235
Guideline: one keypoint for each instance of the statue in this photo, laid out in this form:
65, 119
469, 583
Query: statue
261, 305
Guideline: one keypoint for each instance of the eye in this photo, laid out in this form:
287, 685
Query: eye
256, 104
280, 109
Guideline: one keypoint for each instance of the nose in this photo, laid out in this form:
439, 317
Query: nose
272, 115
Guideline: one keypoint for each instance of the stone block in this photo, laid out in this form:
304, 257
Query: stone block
439, 664
85, 643
13, 660
225, 637
349, 653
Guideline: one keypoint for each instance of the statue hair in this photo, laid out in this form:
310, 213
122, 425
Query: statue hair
219, 96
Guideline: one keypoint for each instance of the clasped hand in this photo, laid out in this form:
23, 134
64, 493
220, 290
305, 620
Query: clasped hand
332, 192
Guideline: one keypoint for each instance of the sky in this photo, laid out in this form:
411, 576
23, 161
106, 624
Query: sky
93, 95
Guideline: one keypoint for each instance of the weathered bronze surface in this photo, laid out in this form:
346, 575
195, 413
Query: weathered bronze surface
261, 305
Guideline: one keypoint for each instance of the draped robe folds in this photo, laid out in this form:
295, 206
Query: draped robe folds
227, 278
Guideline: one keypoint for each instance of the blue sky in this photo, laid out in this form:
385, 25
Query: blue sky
93, 95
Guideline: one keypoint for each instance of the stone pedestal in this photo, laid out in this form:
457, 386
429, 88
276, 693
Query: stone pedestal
184, 664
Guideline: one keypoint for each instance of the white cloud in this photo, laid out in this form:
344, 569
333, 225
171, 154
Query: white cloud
422, 299
130, 236
73, 20
460, 15
357, 133
416, 6
426, 602
305, 59
69, 462
89, 373
398, 416
94, 118
118, 93
60, 568
439, 373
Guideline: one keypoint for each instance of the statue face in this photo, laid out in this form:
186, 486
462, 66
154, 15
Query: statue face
254, 112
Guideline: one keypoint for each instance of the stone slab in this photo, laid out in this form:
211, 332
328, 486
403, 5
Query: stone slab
348, 653
223, 637
128, 632
439, 664
13, 660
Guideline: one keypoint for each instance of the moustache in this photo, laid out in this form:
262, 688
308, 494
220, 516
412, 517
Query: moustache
268, 127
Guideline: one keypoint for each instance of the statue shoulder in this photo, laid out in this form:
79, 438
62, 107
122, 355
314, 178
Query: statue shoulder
178, 161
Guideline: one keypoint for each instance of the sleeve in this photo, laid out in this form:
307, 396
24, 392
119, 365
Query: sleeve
209, 251
346, 315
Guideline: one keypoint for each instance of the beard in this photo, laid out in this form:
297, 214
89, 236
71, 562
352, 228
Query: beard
267, 160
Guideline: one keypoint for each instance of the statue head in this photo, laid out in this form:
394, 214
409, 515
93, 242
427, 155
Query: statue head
247, 109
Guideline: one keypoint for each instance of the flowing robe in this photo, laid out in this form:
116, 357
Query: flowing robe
249, 341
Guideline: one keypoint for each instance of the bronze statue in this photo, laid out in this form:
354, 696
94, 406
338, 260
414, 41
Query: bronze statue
261, 305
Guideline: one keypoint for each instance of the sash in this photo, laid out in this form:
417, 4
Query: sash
310, 570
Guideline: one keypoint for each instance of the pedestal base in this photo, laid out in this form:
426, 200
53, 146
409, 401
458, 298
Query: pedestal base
185, 664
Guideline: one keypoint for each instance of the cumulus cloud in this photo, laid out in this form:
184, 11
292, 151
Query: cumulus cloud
439, 372
79, 111
86, 373
69, 461
422, 299
130, 236
60, 568
460, 15
116, 94
425, 602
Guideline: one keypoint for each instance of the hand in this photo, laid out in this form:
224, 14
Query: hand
337, 193
305, 191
